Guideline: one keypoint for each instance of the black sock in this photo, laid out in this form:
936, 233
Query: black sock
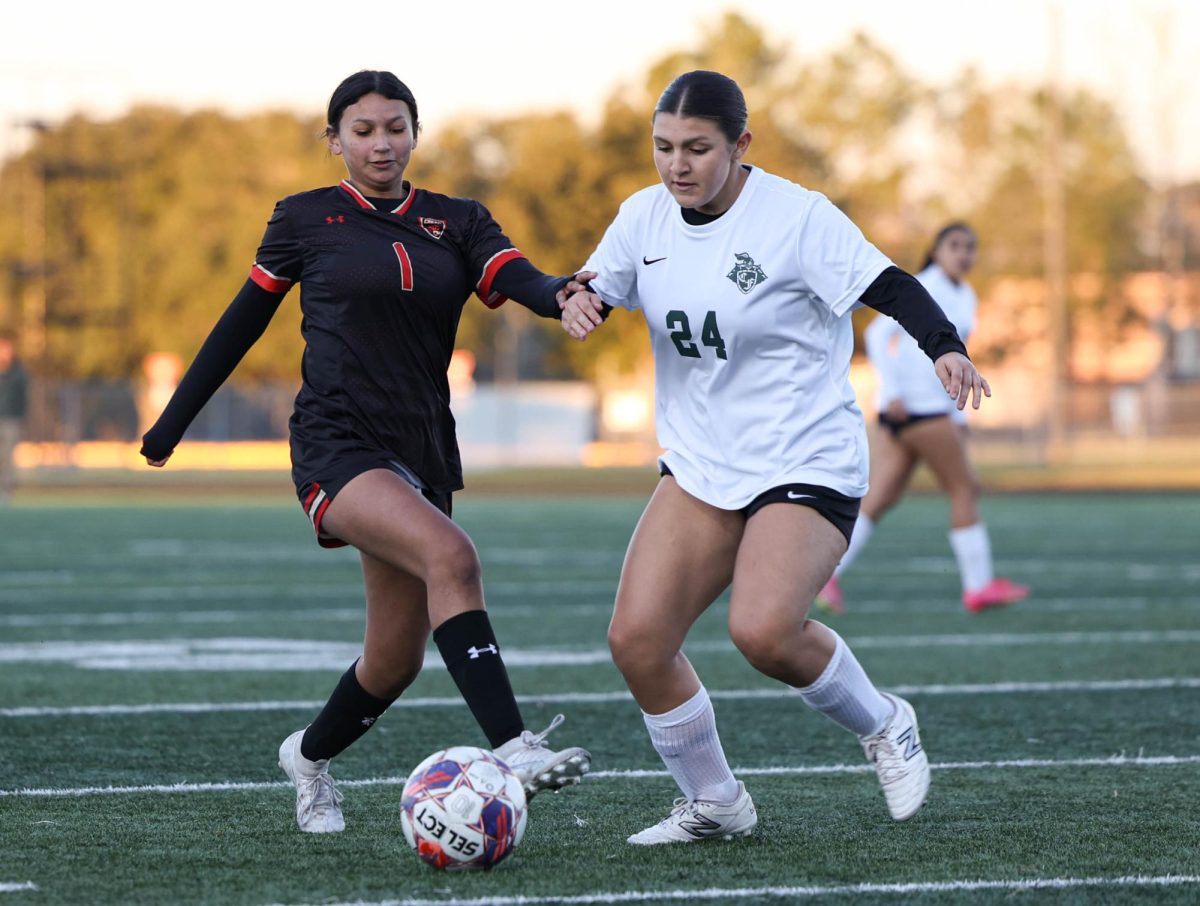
469, 648
350, 712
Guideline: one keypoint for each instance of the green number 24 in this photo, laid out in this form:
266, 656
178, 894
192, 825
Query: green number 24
681, 334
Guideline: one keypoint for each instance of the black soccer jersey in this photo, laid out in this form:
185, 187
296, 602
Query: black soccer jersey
381, 296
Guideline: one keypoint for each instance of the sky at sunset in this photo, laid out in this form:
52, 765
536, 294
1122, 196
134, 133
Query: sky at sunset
461, 58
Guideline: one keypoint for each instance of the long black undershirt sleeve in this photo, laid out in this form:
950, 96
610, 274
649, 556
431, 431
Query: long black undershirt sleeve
237, 330
900, 295
520, 281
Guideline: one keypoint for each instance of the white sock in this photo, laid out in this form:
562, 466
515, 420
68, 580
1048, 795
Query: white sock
863, 527
686, 740
845, 695
973, 551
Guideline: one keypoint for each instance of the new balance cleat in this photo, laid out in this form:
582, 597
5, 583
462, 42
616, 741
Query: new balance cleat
829, 598
540, 768
996, 593
700, 820
318, 803
900, 761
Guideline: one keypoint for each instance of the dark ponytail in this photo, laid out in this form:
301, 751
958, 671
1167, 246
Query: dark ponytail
368, 81
709, 95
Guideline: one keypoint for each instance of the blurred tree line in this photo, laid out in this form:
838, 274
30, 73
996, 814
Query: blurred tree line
151, 221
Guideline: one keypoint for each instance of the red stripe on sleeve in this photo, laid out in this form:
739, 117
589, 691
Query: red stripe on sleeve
484, 288
269, 281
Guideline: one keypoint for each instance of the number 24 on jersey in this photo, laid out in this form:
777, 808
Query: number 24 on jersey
681, 334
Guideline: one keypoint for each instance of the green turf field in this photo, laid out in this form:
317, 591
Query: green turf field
1064, 732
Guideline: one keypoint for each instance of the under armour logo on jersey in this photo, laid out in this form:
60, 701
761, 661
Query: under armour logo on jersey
475, 652
745, 274
367, 721
339, 219
908, 739
432, 226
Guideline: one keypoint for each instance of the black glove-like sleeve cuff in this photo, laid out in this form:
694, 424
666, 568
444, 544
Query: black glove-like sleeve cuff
901, 296
520, 281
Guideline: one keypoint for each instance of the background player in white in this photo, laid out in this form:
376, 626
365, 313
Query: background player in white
917, 423
746, 282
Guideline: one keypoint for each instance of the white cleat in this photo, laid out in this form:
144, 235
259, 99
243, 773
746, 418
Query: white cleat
318, 803
900, 761
700, 820
539, 768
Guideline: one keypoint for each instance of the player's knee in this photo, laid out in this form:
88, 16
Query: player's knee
762, 642
634, 649
458, 567
966, 492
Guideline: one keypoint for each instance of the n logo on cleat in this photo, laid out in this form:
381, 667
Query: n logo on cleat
475, 652
908, 739
700, 826
367, 721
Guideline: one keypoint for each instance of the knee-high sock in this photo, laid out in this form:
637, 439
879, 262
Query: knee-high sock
845, 694
686, 739
349, 713
973, 551
863, 527
472, 656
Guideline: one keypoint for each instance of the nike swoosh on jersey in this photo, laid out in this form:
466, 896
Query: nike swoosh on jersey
792, 495
646, 260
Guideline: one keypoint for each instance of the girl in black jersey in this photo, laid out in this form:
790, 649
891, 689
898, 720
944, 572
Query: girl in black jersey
385, 270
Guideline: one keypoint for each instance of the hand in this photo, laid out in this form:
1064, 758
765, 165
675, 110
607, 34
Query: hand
578, 284
158, 463
581, 314
960, 378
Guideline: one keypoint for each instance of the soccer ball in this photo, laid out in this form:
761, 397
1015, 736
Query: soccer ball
463, 808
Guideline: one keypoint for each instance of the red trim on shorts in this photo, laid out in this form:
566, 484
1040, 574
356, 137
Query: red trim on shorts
315, 504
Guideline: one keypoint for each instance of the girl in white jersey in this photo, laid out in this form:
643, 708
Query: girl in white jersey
919, 424
746, 282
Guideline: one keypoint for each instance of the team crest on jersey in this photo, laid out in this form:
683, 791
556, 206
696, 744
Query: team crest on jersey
432, 226
745, 274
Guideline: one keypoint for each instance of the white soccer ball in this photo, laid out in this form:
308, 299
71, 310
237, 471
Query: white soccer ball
463, 808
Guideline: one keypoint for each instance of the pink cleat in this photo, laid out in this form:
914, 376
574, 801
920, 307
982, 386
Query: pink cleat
829, 598
996, 593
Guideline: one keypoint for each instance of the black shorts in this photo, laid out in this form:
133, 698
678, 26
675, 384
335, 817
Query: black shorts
895, 425
315, 496
838, 509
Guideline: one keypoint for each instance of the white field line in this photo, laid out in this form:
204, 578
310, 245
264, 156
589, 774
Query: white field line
789, 893
16, 887
240, 616
14, 593
633, 774
594, 698
259, 653
503, 610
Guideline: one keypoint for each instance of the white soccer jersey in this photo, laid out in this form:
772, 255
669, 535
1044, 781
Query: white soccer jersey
750, 328
905, 372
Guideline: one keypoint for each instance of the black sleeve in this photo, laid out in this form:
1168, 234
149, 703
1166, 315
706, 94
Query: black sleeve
237, 330
520, 281
901, 296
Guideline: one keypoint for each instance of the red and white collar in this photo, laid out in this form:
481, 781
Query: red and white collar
358, 196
